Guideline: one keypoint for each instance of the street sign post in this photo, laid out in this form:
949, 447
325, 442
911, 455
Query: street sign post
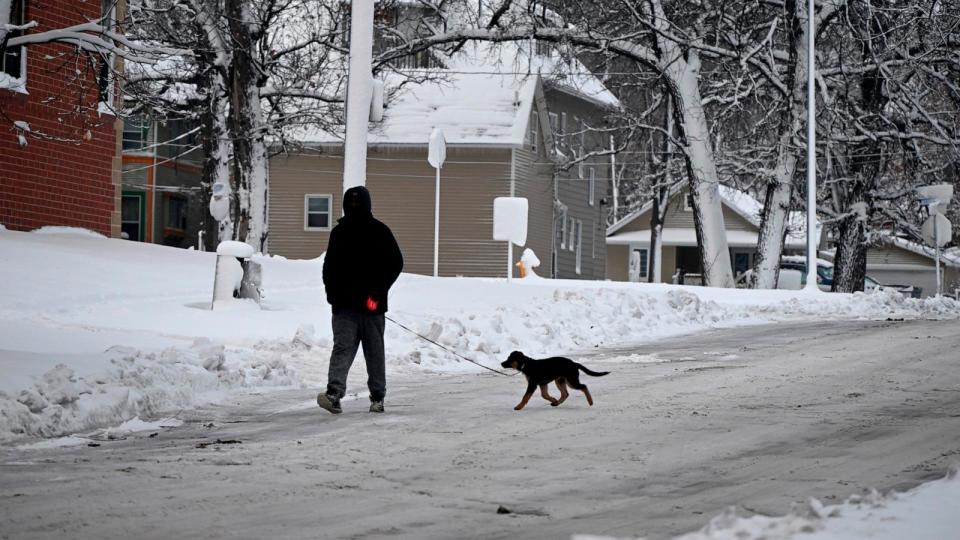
510, 225
937, 229
436, 154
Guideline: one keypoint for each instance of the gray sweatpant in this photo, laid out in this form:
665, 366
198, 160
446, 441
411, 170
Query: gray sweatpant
350, 329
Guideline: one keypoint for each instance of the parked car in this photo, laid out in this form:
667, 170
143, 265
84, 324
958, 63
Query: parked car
793, 275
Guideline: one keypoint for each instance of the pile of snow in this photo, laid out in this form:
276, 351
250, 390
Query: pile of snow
75, 231
124, 382
94, 331
925, 513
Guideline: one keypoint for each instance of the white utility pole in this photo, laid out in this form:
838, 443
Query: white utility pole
811, 155
359, 94
613, 177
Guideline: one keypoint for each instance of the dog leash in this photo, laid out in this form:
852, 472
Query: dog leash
458, 355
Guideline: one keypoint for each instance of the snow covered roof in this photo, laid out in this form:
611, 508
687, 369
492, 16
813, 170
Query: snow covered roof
740, 202
683, 237
949, 257
483, 96
470, 108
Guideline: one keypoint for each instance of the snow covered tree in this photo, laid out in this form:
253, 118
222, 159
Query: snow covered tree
258, 69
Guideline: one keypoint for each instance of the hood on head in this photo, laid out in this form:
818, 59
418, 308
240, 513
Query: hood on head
356, 202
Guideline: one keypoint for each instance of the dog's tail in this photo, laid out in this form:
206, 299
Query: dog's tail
592, 373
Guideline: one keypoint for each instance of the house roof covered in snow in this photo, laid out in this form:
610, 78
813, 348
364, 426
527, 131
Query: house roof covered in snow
483, 96
741, 203
949, 257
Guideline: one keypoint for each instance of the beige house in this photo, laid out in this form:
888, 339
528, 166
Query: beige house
505, 134
898, 261
628, 240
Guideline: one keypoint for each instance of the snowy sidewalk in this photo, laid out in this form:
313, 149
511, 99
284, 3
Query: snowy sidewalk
96, 332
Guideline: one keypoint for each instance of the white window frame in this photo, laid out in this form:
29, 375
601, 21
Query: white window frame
572, 244
577, 122
644, 269
306, 212
687, 201
534, 132
21, 86
563, 230
593, 239
583, 134
591, 185
554, 122
578, 267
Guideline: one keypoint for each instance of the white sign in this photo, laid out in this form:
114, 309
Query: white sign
937, 197
944, 230
438, 149
510, 219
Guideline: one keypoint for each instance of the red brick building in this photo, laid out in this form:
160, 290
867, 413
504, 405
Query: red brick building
59, 136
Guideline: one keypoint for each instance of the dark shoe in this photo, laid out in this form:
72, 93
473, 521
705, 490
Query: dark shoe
376, 406
329, 403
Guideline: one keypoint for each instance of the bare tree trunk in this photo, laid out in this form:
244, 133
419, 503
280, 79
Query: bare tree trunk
216, 151
866, 159
701, 168
213, 59
247, 127
776, 204
661, 200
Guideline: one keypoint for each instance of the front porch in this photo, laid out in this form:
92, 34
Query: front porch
629, 256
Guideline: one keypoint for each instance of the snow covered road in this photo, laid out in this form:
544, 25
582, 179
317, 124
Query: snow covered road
759, 417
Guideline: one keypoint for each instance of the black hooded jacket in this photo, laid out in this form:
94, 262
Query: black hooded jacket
363, 259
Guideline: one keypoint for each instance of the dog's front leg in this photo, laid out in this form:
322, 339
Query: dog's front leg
526, 397
545, 392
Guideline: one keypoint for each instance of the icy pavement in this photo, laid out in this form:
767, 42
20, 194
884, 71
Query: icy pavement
760, 418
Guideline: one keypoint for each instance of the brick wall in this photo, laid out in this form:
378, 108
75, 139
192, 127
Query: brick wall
66, 175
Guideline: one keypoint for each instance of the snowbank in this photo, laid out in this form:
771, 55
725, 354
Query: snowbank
925, 513
75, 231
94, 331
124, 383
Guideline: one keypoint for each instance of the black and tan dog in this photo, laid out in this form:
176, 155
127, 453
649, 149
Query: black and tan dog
542, 372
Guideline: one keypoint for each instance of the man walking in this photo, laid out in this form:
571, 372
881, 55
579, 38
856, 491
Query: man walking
363, 261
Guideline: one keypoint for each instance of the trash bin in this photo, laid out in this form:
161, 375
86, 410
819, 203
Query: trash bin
236, 274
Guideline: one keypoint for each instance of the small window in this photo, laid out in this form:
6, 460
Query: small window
130, 217
579, 241
688, 202
534, 132
176, 212
563, 124
13, 60
593, 239
572, 239
563, 230
136, 133
543, 48
316, 212
643, 262
591, 185
576, 122
554, 122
